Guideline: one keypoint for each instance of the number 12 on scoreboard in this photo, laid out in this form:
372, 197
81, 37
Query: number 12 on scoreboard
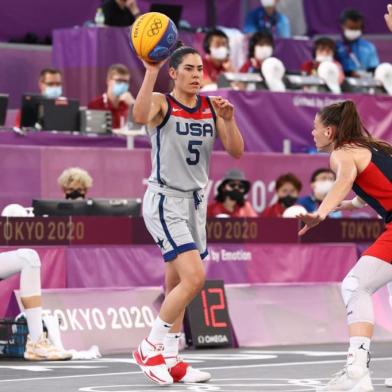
209, 311
207, 321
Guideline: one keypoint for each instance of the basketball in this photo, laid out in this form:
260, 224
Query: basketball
153, 36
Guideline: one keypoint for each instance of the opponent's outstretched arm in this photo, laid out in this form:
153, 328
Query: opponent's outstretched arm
346, 171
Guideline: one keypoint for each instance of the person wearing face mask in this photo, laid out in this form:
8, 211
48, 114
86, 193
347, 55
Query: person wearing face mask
50, 83
261, 47
324, 50
287, 188
50, 86
230, 200
120, 13
75, 183
268, 18
356, 54
321, 182
117, 98
216, 59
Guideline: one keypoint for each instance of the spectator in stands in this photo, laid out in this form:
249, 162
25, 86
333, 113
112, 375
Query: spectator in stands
267, 17
324, 50
230, 200
216, 60
356, 54
50, 83
117, 98
287, 188
261, 46
121, 13
321, 182
75, 183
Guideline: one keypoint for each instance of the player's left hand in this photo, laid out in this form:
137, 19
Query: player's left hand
388, 17
311, 220
223, 108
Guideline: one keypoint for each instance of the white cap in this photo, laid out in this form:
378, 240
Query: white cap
273, 71
294, 211
329, 72
14, 210
383, 74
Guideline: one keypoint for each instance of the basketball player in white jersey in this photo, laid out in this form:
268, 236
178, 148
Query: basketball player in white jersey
183, 126
28, 264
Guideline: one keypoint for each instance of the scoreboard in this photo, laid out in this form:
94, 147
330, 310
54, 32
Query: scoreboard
207, 322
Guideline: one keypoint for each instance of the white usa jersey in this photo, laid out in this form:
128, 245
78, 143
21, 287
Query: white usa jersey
182, 145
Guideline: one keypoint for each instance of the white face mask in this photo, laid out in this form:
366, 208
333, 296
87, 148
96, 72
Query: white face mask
219, 53
320, 58
321, 188
263, 52
352, 35
267, 3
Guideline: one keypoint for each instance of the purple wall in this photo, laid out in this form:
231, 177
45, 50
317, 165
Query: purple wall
42, 16
20, 66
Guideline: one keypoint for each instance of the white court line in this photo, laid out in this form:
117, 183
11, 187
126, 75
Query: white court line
206, 368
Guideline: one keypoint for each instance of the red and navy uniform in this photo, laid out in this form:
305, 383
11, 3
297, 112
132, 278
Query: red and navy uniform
374, 186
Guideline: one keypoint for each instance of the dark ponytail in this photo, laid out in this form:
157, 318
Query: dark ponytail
349, 128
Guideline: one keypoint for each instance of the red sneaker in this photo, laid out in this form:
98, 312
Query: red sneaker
150, 360
183, 372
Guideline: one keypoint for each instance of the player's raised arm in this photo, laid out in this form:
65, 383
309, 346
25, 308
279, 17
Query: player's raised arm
148, 104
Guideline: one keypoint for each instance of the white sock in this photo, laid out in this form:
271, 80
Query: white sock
158, 331
359, 341
171, 344
34, 323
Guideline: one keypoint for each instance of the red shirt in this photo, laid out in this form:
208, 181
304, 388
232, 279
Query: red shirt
310, 67
274, 211
246, 211
120, 112
210, 70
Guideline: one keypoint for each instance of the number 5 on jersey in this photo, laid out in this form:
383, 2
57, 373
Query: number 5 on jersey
193, 148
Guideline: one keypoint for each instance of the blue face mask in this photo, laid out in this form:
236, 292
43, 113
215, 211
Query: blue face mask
120, 88
53, 91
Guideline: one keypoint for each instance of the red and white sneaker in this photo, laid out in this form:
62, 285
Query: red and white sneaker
150, 360
183, 372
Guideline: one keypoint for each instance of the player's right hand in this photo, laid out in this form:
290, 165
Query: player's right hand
154, 66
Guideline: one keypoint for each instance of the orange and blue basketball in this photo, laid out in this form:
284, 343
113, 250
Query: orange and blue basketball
153, 36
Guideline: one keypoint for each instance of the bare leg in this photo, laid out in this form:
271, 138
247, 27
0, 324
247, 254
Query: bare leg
190, 270
172, 279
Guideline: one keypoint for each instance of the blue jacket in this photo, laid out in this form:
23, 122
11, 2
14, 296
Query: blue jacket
357, 55
278, 24
311, 205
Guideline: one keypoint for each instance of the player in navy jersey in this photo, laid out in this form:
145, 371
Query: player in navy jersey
183, 126
364, 165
